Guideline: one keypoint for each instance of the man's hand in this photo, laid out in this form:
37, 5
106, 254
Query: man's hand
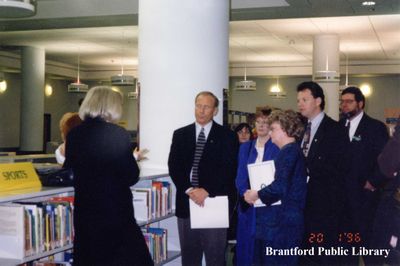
140, 154
369, 187
250, 196
198, 195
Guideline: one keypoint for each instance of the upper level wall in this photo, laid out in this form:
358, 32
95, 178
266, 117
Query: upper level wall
385, 93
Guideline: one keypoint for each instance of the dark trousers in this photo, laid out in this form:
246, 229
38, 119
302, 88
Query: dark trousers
195, 242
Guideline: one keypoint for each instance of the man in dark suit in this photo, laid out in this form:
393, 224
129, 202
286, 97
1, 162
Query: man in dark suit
367, 138
323, 144
202, 163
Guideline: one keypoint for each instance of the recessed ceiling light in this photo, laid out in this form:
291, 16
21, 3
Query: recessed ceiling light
368, 3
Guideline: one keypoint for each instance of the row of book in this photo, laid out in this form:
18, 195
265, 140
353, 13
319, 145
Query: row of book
40, 226
156, 240
153, 201
51, 263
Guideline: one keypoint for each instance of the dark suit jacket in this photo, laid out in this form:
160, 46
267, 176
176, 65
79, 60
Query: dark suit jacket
362, 152
389, 159
368, 142
217, 167
106, 232
325, 190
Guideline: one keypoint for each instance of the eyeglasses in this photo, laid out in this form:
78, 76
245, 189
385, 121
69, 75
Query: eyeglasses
261, 123
349, 101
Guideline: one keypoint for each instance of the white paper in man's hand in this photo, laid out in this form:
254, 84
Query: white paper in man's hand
214, 213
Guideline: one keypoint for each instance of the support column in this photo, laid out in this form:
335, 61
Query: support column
183, 49
32, 99
326, 70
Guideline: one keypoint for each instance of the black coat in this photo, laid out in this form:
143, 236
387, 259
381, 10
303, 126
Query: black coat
106, 232
362, 152
325, 190
217, 167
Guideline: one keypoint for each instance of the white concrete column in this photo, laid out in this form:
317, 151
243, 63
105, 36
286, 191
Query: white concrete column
326, 70
183, 49
32, 99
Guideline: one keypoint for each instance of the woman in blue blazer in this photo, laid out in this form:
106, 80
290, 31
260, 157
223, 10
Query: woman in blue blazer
281, 225
258, 150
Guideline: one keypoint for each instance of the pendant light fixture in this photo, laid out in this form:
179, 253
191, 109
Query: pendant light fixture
346, 84
245, 85
326, 75
17, 8
122, 79
78, 86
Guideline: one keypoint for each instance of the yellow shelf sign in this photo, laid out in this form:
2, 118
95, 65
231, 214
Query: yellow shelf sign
15, 176
123, 123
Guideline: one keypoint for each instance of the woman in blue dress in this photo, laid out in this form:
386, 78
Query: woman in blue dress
281, 226
257, 150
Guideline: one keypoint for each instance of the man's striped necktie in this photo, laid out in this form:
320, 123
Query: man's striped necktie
201, 142
306, 139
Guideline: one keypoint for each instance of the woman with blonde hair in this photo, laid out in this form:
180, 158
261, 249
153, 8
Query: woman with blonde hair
282, 223
100, 155
253, 151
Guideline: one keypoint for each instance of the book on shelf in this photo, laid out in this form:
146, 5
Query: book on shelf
51, 263
12, 233
31, 228
142, 203
156, 240
153, 201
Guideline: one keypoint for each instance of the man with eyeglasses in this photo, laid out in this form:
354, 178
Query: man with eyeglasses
202, 163
323, 145
366, 139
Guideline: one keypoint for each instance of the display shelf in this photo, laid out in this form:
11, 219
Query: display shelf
152, 173
142, 223
172, 254
13, 262
28, 158
44, 166
30, 193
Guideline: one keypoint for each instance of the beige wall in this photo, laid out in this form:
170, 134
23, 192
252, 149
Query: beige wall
385, 94
57, 105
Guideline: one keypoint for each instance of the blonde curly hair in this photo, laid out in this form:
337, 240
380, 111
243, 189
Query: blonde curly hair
289, 121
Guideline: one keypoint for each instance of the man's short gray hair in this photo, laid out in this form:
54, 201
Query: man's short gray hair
208, 93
